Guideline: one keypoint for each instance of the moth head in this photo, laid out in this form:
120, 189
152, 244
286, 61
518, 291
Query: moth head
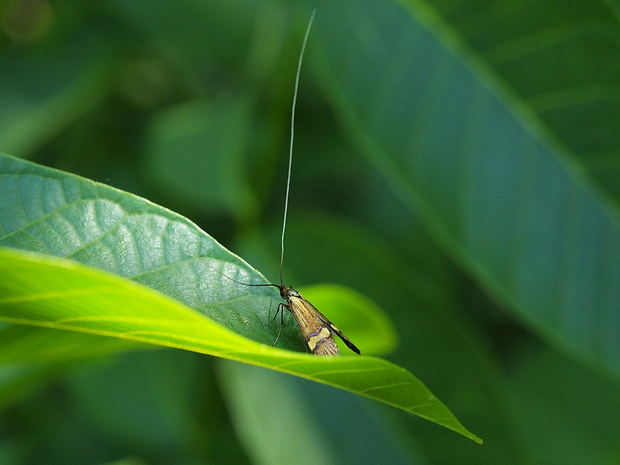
288, 293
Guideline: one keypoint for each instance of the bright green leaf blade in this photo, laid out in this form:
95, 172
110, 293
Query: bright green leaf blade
55, 293
470, 159
57, 213
48, 211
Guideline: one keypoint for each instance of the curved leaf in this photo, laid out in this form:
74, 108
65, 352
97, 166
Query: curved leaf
56, 213
60, 294
51, 212
48, 211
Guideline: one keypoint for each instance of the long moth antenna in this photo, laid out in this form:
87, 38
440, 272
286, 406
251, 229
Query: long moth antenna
290, 152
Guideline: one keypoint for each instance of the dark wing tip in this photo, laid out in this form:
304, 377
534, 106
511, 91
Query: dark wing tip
352, 346
346, 340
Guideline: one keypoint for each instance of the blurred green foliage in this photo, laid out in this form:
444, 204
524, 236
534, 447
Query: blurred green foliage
456, 162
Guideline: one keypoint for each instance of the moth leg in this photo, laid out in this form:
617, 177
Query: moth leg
280, 307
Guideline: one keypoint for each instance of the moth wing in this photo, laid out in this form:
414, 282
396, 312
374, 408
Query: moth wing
335, 330
326, 346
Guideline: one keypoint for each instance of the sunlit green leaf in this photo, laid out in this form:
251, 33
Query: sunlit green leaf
59, 294
48, 211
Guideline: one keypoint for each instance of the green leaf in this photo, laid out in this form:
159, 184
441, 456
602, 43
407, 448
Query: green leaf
482, 172
557, 60
56, 213
60, 294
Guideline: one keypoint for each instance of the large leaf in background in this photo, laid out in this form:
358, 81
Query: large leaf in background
49, 211
468, 157
562, 60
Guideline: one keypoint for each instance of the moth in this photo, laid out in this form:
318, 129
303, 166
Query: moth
317, 330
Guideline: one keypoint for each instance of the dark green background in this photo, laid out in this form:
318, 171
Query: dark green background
454, 161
